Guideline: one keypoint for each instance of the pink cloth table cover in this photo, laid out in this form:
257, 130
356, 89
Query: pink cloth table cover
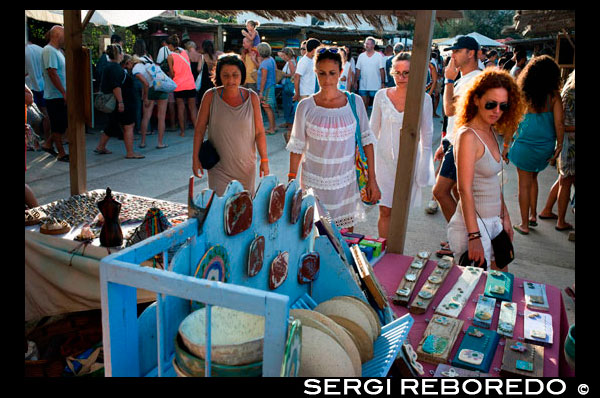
391, 268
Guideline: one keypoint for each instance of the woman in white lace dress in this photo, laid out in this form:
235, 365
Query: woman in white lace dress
386, 122
323, 139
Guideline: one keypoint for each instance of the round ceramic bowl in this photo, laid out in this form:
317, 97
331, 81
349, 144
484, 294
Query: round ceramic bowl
570, 347
193, 366
237, 337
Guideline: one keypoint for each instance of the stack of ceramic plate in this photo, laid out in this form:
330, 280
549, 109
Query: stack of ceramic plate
236, 343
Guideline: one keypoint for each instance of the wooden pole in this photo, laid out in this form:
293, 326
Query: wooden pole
409, 136
75, 65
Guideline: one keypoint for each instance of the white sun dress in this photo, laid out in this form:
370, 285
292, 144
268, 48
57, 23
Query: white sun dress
386, 123
325, 136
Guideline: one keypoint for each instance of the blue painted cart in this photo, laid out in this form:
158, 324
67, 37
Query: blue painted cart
144, 346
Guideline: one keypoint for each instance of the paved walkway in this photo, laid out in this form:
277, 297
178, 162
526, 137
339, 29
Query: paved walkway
545, 255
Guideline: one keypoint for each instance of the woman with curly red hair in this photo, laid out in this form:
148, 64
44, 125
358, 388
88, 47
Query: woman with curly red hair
492, 105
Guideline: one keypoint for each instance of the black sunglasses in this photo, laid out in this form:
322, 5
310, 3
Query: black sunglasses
493, 104
303, 49
333, 50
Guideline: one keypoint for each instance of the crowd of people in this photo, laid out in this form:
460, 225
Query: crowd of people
335, 104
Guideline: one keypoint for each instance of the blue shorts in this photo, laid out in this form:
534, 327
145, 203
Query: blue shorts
448, 168
367, 93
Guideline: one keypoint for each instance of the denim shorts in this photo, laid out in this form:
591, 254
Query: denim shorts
369, 93
448, 168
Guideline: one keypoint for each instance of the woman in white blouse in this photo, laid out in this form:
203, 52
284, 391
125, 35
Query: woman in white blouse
323, 138
386, 123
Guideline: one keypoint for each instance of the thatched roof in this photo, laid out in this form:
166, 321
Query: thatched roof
377, 18
535, 23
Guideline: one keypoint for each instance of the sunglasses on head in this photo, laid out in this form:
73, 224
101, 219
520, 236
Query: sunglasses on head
493, 104
333, 50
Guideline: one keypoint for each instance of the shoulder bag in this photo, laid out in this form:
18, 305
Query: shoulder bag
208, 154
107, 103
362, 172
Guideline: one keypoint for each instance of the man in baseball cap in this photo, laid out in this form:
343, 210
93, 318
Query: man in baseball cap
465, 42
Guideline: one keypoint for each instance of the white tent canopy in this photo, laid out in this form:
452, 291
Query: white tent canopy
481, 39
100, 17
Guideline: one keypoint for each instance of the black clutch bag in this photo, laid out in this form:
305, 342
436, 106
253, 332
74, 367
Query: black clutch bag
208, 155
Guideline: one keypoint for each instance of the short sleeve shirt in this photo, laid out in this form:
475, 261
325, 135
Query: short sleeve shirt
33, 67
308, 77
460, 88
269, 65
54, 59
370, 75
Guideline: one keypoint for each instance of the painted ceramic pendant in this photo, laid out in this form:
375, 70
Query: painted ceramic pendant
424, 254
293, 347
309, 268
471, 356
308, 221
498, 289
417, 263
410, 277
476, 333
296, 206
256, 255
435, 344
276, 203
442, 320
450, 373
484, 316
443, 264
238, 213
279, 270
538, 334
403, 292
434, 279
519, 347
524, 365
425, 294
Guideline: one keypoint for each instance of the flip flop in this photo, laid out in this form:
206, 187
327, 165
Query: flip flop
567, 228
64, 158
519, 230
533, 223
51, 151
161, 147
552, 217
273, 133
102, 151
142, 146
135, 157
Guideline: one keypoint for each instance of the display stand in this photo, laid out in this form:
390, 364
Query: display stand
145, 346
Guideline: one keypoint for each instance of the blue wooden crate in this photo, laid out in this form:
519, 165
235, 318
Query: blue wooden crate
144, 346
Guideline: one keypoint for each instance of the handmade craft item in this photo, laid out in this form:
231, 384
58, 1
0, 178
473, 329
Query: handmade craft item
368, 277
499, 285
238, 213
484, 311
353, 235
256, 255
34, 216
293, 350
535, 296
476, 350
279, 270
361, 339
351, 241
410, 279
383, 241
296, 206
276, 203
354, 310
435, 280
444, 370
52, 226
214, 266
454, 301
376, 246
307, 226
367, 251
407, 362
308, 271
154, 223
522, 359
111, 234
537, 327
438, 339
507, 319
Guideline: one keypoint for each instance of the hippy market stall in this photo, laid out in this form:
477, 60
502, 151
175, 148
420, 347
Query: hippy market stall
274, 289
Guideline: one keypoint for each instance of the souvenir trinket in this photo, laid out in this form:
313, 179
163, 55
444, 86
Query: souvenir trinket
484, 311
279, 270
439, 337
52, 226
366, 274
522, 359
309, 268
111, 234
296, 206
214, 266
454, 301
535, 296
276, 203
499, 285
238, 213
256, 255
507, 319
307, 226
33, 216
537, 328
411, 278
411, 356
476, 350
431, 287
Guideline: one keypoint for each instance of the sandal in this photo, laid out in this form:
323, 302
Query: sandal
567, 227
51, 151
551, 217
135, 157
142, 146
519, 230
64, 158
444, 252
161, 146
102, 151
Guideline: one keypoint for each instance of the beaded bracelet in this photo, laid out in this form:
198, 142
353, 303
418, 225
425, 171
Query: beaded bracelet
264, 160
292, 175
474, 235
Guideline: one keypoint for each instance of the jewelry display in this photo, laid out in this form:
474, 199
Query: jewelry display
410, 278
454, 301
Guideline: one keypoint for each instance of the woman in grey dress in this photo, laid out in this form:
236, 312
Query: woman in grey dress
231, 114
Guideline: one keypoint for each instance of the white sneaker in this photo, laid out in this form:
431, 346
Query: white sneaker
432, 207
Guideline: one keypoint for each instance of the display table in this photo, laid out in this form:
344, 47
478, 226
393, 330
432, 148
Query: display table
391, 268
62, 274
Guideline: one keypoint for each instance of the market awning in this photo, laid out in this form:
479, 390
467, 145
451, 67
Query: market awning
481, 39
100, 17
